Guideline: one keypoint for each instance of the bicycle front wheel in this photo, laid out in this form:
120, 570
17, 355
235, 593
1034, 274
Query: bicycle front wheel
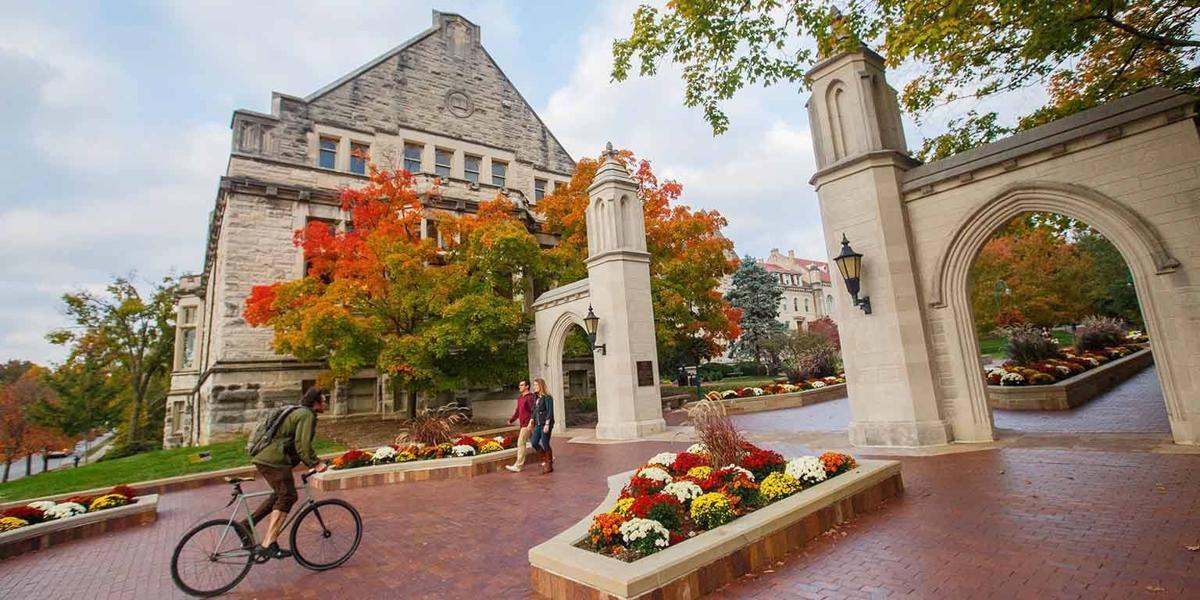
326, 534
212, 558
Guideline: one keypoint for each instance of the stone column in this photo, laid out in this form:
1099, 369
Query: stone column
861, 159
618, 265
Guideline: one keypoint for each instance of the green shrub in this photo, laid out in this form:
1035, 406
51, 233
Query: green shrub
1026, 344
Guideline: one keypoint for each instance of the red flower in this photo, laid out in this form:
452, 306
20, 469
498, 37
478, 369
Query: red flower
26, 513
642, 486
124, 490
762, 462
510, 440
685, 461
86, 501
467, 440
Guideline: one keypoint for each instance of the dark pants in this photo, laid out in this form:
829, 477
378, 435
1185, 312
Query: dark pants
540, 439
283, 491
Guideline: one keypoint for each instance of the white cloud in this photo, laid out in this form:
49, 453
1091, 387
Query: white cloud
756, 174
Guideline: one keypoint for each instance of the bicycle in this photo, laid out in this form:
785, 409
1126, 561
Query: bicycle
216, 555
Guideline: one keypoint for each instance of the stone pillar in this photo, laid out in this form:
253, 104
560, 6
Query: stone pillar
861, 158
619, 283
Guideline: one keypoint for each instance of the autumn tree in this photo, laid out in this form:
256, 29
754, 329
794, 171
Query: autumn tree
19, 435
133, 335
380, 295
1085, 52
86, 395
1032, 271
757, 294
688, 258
13, 370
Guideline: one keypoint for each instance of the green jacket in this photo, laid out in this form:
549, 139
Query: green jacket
292, 443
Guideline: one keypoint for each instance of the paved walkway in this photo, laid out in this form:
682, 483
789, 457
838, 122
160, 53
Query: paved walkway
1014, 522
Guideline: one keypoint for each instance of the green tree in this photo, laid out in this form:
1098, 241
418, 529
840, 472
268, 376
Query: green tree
132, 336
758, 294
86, 396
1085, 52
13, 370
1110, 290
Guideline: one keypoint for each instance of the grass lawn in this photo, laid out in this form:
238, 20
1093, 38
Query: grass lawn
131, 469
994, 346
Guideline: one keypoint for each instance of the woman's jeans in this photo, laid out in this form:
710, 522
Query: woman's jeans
541, 438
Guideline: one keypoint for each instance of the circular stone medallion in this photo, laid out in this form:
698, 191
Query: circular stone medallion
459, 104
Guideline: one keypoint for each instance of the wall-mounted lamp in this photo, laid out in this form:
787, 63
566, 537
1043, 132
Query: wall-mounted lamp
590, 322
849, 263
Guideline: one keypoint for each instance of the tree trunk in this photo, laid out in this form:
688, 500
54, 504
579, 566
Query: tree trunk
28, 465
412, 404
45, 460
7, 467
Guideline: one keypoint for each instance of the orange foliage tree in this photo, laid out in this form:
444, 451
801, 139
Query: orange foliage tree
1045, 277
688, 257
378, 295
19, 436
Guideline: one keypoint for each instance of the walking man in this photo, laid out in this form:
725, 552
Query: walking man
522, 415
291, 445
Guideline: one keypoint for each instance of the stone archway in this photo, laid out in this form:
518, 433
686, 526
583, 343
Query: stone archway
555, 313
1139, 244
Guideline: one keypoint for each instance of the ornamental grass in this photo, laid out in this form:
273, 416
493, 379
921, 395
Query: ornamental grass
434, 426
716, 431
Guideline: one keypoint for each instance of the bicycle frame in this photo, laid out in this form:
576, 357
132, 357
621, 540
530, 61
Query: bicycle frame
241, 499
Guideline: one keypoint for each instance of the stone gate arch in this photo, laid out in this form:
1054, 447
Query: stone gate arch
555, 313
1140, 246
1129, 168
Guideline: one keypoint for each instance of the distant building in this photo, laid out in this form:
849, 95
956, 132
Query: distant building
807, 293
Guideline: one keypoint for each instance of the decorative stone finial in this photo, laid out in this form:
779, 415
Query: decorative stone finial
609, 152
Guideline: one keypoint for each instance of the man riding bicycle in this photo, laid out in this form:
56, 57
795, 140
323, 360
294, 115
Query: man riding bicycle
291, 445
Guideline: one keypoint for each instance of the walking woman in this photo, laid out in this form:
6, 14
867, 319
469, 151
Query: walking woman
543, 422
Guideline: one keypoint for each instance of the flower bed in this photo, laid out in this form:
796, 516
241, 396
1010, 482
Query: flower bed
564, 568
40, 523
678, 496
776, 388
1073, 391
1053, 370
466, 457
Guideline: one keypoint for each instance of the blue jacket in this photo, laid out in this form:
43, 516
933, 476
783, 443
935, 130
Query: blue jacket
543, 410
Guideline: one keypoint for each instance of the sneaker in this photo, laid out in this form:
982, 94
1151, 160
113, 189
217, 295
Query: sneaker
512, 468
279, 552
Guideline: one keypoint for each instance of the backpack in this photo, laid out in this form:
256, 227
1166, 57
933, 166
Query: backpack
264, 433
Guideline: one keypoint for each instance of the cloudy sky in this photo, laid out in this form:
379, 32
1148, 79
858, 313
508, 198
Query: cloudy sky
116, 120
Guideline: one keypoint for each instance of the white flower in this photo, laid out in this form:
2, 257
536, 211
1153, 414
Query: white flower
665, 459
64, 510
818, 384
739, 470
384, 453
729, 394
683, 491
462, 450
42, 505
1012, 379
499, 439
997, 371
1091, 361
655, 473
757, 391
698, 448
1062, 369
636, 529
807, 469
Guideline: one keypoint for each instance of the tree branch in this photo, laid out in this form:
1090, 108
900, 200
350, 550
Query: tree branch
1150, 36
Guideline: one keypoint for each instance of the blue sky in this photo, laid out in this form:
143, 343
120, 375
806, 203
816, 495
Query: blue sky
116, 120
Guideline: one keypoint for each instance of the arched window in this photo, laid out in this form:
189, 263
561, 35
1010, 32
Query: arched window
806, 309
829, 304
794, 305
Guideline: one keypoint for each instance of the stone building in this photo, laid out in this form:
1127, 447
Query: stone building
807, 294
437, 105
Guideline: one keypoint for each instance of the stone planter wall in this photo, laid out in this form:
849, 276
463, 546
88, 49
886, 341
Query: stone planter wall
1072, 392
737, 406
143, 511
700, 565
417, 470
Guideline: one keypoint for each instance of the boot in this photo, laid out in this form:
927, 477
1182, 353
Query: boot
548, 466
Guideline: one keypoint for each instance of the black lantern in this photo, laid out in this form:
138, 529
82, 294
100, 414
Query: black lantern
849, 263
590, 323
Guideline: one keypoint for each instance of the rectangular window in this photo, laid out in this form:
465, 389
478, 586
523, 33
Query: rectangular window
471, 168
431, 229
539, 189
412, 157
499, 173
794, 307
441, 162
187, 354
358, 158
328, 158
176, 416
188, 315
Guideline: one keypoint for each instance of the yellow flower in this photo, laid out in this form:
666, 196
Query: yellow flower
700, 473
622, 507
779, 485
405, 456
10, 523
492, 446
108, 501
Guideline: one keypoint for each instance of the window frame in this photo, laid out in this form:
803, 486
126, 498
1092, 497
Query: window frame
322, 150
437, 166
420, 148
366, 148
502, 179
467, 172
538, 194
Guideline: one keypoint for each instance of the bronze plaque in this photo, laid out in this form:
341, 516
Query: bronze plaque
645, 371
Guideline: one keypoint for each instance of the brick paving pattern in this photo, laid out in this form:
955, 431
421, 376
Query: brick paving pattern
1008, 523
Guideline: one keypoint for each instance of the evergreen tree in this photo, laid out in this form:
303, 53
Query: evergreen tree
757, 293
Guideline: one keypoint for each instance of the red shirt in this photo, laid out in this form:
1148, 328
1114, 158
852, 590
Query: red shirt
524, 410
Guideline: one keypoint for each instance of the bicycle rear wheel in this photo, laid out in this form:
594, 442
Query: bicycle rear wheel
212, 558
326, 534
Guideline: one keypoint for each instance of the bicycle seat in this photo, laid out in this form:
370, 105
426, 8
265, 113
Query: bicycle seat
229, 479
